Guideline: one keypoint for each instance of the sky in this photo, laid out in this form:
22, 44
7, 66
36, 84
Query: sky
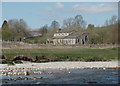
38, 14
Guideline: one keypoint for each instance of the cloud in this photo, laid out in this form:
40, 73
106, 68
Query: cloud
51, 16
95, 8
58, 5
49, 8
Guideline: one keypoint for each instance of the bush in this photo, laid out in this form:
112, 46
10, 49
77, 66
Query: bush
7, 62
18, 62
41, 61
94, 58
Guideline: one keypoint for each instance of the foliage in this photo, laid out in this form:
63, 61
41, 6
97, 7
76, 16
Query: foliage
106, 34
4, 25
42, 61
43, 30
18, 62
7, 62
6, 34
18, 29
90, 26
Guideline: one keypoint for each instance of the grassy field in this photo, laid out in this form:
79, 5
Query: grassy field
74, 53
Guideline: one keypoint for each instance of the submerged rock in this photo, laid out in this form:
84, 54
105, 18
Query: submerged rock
19, 78
26, 78
33, 78
26, 73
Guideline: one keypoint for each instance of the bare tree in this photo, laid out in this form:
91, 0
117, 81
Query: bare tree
79, 21
43, 30
113, 20
68, 22
18, 28
55, 24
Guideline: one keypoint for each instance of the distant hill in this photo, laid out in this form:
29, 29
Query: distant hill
34, 32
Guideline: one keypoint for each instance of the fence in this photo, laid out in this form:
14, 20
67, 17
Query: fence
12, 44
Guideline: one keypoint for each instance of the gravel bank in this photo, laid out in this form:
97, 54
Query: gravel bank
61, 65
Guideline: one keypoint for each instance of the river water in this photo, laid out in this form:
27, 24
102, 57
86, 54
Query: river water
71, 76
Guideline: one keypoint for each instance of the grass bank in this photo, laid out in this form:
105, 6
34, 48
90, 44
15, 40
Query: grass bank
60, 54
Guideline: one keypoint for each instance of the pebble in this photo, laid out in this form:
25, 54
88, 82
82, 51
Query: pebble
6, 81
26, 78
19, 78
104, 68
69, 72
26, 73
33, 78
41, 77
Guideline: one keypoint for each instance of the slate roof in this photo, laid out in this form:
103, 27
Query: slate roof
71, 36
64, 31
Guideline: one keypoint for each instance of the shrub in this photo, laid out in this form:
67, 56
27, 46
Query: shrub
18, 62
41, 61
7, 62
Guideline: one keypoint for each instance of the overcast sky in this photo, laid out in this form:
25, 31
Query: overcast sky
37, 14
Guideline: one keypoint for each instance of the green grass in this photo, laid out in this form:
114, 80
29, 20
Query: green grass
7, 62
75, 53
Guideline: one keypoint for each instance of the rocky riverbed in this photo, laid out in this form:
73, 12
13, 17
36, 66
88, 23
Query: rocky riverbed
65, 76
60, 72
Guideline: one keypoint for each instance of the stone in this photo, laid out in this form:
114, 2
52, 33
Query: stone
91, 82
19, 78
6, 81
26, 78
41, 77
22, 57
33, 78
3, 57
41, 58
26, 73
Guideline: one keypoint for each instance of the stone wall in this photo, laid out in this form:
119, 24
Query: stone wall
64, 41
13, 44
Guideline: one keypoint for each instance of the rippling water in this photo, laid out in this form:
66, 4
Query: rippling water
71, 76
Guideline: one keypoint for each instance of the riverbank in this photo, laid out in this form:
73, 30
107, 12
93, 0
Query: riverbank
66, 76
59, 65
64, 54
60, 72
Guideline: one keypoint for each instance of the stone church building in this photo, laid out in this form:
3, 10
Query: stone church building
68, 38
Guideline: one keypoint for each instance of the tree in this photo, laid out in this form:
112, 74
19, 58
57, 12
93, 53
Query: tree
68, 22
113, 20
43, 30
4, 25
79, 21
6, 34
18, 28
90, 26
55, 25
107, 22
